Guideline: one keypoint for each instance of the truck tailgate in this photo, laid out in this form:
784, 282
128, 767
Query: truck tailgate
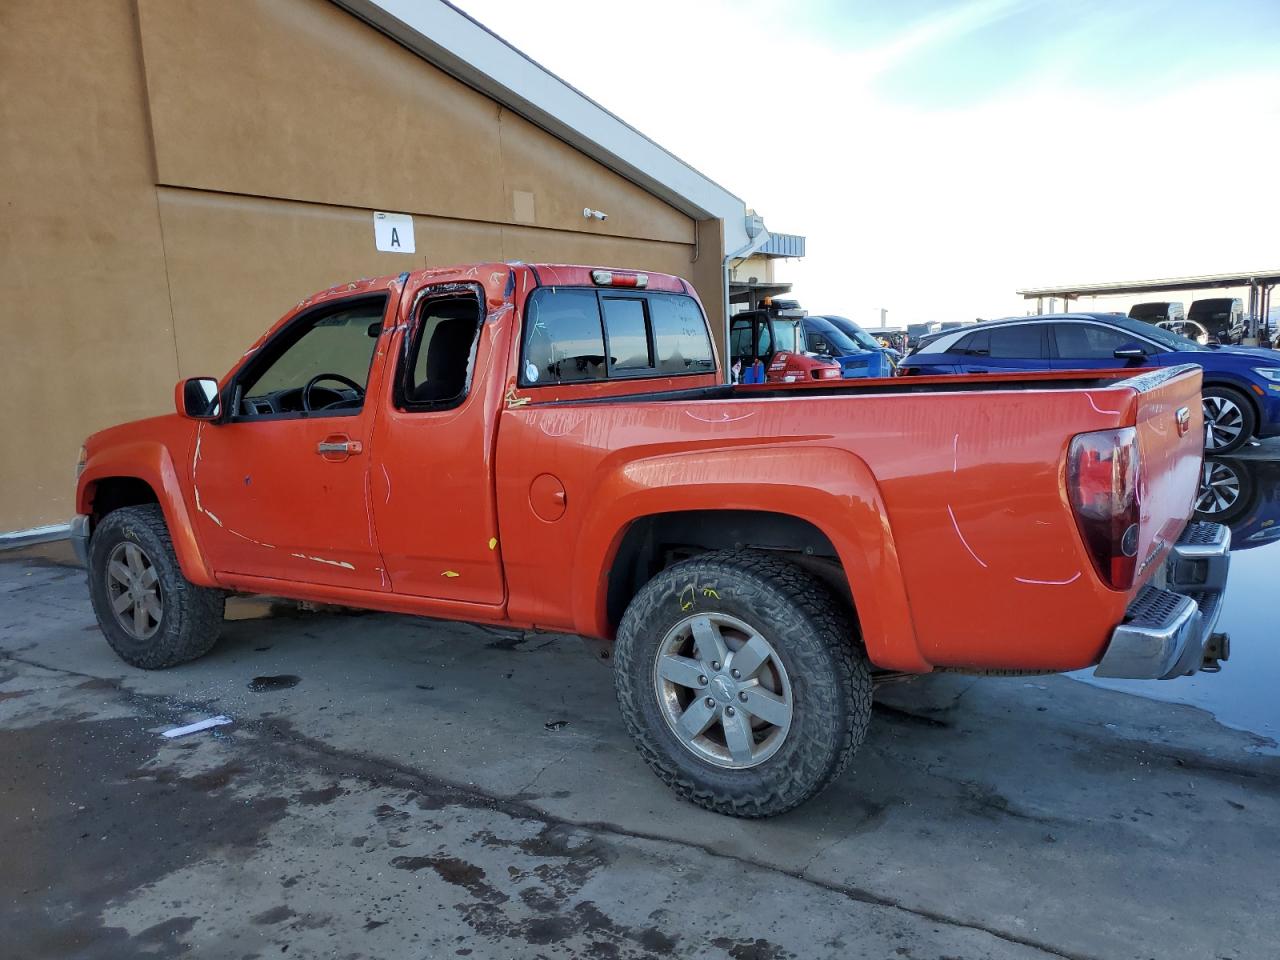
1170, 426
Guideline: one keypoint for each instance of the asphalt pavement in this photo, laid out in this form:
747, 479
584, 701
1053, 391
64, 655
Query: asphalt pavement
393, 787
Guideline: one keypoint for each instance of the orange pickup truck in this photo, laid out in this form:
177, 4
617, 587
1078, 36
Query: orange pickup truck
555, 447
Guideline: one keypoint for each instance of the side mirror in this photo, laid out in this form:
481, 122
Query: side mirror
197, 398
1130, 353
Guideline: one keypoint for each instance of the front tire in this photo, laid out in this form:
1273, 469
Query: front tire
1229, 420
152, 616
740, 678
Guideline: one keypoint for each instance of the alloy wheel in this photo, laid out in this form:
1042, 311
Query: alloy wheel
723, 690
1219, 488
133, 590
1223, 422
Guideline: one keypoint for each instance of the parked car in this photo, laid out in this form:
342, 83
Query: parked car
1158, 312
1241, 395
1243, 493
1186, 328
866, 344
555, 447
1223, 317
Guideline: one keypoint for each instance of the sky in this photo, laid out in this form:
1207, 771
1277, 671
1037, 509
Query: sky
940, 155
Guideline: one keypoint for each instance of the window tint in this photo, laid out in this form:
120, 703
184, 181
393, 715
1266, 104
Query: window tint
624, 320
443, 351
1087, 341
1016, 342
680, 337
740, 339
974, 345
340, 342
563, 339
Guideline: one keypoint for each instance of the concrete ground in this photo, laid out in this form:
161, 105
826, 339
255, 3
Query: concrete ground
423, 789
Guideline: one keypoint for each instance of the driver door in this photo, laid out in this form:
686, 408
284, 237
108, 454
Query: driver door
280, 484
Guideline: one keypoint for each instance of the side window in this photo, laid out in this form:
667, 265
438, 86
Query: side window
320, 362
680, 339
628, 334
974, 345
1086, 341
740, 339
1016, 343
563, 339
766, 340
816, 341
437, 370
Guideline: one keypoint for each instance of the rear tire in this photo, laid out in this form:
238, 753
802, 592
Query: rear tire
152, 616
764, 610
1229, 419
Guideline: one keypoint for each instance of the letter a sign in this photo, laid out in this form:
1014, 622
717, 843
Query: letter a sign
393, 232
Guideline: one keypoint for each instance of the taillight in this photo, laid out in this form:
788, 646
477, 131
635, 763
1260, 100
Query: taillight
607, 278
1102, 481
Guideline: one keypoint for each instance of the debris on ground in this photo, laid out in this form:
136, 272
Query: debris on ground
206, 724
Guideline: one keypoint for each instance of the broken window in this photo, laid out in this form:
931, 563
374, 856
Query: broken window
442, 353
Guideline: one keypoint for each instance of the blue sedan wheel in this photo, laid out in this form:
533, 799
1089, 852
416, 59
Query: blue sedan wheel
1228, 420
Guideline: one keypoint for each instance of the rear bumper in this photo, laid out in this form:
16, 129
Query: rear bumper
79, 536
1168, 630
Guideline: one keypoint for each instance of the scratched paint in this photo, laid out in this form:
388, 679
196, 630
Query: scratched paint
952, 514
1050, 583
332, 563
723, 418
1089, 397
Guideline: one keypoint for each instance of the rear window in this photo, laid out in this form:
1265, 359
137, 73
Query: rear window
563, 340
575, 334
680, 337
628, 332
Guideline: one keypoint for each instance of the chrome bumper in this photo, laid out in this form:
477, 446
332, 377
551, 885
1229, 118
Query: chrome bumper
80, 538
1168, 630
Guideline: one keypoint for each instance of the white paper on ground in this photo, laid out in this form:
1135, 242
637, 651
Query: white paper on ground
197, 727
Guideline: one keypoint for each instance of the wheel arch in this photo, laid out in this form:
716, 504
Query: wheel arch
1239, 386
135, 474
819, 505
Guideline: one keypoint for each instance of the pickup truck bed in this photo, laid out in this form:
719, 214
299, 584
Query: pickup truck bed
552, 447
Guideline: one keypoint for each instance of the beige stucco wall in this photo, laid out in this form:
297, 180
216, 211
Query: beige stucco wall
197, 168
759, 267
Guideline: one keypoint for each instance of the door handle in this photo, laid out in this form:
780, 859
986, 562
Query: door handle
340, 446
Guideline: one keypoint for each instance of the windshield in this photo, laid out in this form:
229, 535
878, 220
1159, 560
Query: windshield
836, 338
1161, 336
854, 333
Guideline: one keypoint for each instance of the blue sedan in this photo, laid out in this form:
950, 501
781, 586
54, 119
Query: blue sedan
1241, 391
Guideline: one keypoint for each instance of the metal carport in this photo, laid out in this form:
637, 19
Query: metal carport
1259, 282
